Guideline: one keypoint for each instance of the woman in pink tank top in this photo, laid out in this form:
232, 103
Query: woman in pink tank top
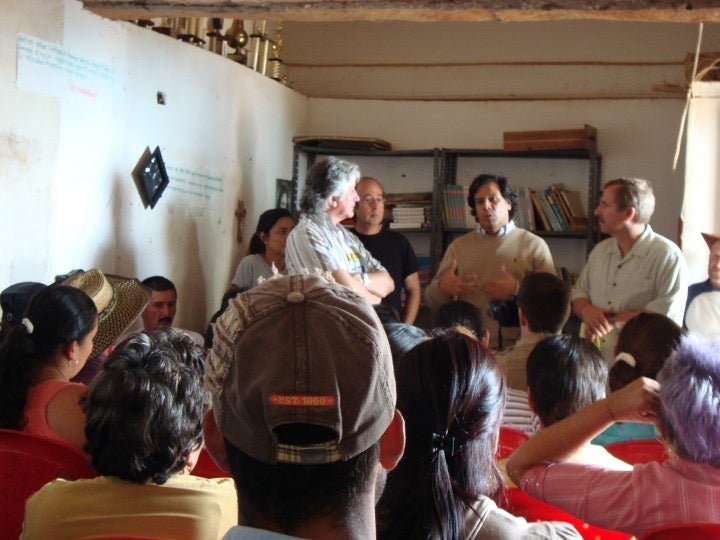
37, 360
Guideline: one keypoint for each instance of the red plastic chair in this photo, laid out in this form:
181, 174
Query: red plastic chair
640, 451
207, 468
519, 503
509, 440
706, 531
27, 463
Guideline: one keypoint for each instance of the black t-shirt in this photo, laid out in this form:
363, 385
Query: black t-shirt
396, 254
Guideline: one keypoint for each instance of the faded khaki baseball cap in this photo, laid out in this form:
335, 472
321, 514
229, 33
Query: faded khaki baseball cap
300, 351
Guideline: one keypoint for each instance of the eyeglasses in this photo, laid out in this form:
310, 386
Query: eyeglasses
368, 199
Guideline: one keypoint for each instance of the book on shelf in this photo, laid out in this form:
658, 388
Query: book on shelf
470, 222
559, 223
524, 215
547, 210
556, 209
542, 221
417, 198
578, 216
413, 211
571, 205
453, 206
409, 225
556, 192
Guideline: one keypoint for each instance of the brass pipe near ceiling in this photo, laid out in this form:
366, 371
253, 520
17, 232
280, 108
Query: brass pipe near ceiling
207, 32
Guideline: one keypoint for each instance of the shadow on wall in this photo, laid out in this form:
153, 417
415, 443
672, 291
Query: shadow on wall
124, 256
185, 269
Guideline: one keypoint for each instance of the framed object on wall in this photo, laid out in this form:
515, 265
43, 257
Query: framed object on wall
151, 177
284, 195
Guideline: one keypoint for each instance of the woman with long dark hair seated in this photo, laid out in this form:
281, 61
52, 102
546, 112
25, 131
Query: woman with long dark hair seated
37, 360
451, 393
266, 252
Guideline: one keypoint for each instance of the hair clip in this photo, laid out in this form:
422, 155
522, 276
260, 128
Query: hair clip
446, 443
626, 357
28, 325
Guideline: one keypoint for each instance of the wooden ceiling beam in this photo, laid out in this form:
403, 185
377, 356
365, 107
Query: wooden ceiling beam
415, 10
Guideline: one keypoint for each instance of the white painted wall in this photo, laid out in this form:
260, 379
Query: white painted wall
701, 208
66, 158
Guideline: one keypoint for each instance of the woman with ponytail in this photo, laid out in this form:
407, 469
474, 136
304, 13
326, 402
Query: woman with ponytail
266, 253
451, 393
37, 360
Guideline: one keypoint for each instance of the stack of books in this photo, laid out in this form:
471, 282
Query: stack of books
409, 210
406, 216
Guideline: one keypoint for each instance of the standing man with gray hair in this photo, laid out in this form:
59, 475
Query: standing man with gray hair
632, 271
320, 242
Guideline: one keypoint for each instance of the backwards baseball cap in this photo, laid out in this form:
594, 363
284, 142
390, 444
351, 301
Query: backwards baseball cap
300, 351
16, 298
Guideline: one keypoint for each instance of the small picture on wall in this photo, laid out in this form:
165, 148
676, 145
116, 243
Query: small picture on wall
284, 195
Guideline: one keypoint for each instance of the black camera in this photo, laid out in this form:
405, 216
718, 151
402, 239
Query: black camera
505, 312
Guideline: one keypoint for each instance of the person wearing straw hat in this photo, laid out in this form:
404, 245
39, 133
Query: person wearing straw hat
702, 312
64, 324
119, 301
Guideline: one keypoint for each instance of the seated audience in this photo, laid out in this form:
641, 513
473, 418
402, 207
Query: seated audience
144, 434
309, 422
162, 306
64, 325
451, 394
37, 361
543, 302
461, 314
13, 301
465, 318
683, 489
565, 374
644, 343
266, 252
